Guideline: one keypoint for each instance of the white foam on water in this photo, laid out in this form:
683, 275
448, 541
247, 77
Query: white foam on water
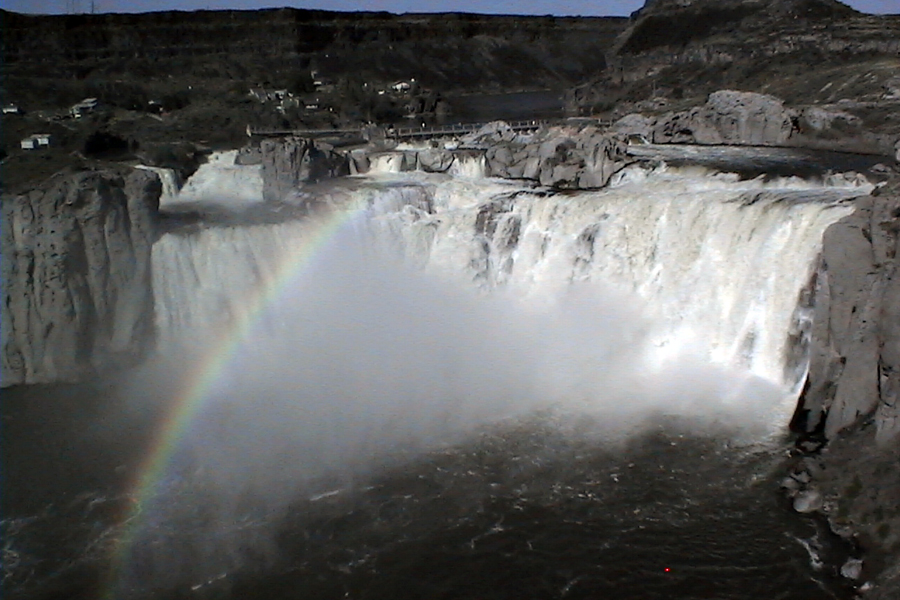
221, 182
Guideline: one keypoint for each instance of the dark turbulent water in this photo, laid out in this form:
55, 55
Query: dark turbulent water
539, 508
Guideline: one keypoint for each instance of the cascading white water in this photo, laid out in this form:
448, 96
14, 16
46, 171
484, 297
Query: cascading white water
170, 184
436, 305
221, 179
218, 181
712, 267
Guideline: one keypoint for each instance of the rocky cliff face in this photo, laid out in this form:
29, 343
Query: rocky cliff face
559, 157
791, 48
728, 117
445, 52
290, 163
855, 346
76, 275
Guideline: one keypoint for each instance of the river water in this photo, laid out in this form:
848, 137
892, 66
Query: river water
538, 507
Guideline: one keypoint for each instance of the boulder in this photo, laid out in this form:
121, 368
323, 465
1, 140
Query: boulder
434, 160
729, 117
288, 164
635, 125
852, 569
821, 118
495, 132
558, 157
77, 291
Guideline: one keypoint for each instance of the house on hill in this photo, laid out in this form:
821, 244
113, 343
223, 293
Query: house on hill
88, 105
36, 141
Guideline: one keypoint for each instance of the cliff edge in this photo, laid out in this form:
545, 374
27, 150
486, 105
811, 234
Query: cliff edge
77, 293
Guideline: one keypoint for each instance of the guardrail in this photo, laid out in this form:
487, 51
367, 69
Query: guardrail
437, 130
409, 132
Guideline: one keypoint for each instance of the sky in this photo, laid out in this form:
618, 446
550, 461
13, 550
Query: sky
530, 7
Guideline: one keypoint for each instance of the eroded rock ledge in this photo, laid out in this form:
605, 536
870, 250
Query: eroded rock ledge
77, 295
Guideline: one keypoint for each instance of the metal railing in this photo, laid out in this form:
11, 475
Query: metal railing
410, 132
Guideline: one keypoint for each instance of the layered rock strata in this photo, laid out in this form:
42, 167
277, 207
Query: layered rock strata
77, 293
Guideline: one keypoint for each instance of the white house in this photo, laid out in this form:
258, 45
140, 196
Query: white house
36, 140
85, 106
11, 109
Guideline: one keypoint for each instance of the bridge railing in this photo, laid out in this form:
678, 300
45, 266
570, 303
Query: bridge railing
411, 132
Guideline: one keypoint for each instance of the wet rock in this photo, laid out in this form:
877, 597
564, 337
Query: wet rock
248, 155
801, 477
434, 160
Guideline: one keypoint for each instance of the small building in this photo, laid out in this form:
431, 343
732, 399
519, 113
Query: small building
88, 105
264, 95
36, 140
401, 86
12, 109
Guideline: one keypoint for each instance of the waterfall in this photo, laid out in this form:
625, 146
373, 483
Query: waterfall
219, 180
408, 311
685, 265
170, 184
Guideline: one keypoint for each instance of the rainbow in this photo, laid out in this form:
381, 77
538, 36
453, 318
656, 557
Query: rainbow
200, 382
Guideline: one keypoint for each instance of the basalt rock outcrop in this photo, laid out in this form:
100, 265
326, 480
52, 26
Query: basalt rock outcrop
77, 293
569, 157
855, 344
558, 157
729, 117
290, 163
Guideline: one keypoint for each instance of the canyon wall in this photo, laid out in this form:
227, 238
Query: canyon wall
77, 296
442, 51
855, 347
